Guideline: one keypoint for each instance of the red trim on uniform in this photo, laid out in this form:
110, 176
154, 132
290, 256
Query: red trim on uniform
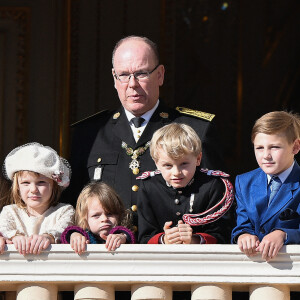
209, 239
155, 238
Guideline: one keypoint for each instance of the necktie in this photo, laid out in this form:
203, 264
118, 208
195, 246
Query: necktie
275, 184
137, 121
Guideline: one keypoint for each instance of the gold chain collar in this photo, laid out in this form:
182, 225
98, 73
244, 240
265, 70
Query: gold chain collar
135, 164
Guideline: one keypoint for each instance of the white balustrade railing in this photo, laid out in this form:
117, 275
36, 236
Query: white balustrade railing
149, 272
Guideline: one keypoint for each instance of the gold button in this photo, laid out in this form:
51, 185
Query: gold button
138, 131
134, 228
134, 207
99, 159
135, 188
136, 171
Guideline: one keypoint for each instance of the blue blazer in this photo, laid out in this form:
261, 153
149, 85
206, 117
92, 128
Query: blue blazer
254, 216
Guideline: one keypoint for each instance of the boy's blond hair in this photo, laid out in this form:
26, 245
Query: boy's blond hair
278, 122
109, 200
15, 191
176, 140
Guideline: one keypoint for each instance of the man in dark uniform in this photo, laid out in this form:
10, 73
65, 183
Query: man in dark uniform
113, 146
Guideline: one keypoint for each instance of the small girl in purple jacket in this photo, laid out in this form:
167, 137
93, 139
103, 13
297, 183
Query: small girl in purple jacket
101, 218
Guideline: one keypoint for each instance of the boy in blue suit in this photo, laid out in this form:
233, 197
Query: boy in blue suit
266, 222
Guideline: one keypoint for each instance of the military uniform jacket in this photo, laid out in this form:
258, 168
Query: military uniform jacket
97, 144
159, 203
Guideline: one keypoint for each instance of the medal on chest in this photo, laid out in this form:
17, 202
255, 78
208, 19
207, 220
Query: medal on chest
135, 163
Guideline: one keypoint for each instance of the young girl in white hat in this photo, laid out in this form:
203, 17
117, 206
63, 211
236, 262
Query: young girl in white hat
35, 219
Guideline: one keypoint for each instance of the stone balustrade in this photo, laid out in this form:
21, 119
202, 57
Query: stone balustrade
149, 272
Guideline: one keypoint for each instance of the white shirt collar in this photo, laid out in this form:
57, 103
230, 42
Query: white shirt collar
283, 175
137, 132
147, 115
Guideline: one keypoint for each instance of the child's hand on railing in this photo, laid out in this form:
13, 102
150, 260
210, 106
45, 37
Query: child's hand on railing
271, 244
114, 241
78, 242
248, 243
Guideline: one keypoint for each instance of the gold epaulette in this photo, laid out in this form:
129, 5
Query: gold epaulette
90, 117
195, 113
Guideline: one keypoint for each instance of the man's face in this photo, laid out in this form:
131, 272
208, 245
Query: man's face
273, 152
138, 97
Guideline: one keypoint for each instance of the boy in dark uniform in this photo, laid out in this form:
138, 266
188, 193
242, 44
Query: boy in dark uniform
179, 203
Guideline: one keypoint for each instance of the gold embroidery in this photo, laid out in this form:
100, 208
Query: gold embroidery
196, 113
164, 115
116, 115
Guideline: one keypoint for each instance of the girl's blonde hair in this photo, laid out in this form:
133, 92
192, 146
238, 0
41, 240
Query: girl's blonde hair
109, 200
176, 140
15, 191
278, 122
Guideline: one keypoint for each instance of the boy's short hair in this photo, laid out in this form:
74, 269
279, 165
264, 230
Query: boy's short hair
15, 190
176, 140
278, 122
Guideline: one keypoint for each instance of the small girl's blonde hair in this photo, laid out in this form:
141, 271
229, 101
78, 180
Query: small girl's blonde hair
15, 191
109, 200
176, 140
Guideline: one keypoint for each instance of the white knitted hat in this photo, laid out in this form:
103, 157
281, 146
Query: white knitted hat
40, 159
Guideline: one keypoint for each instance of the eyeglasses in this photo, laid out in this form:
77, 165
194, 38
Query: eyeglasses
139, 75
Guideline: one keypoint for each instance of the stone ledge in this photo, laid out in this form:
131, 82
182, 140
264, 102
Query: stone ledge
177, 264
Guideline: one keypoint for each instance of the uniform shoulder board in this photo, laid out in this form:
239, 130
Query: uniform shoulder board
214, 173
99, 113
148, 174
195, 113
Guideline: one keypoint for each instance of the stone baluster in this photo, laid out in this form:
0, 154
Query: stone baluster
94, 291
30, 291
151, 291
210, 291
269, 292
